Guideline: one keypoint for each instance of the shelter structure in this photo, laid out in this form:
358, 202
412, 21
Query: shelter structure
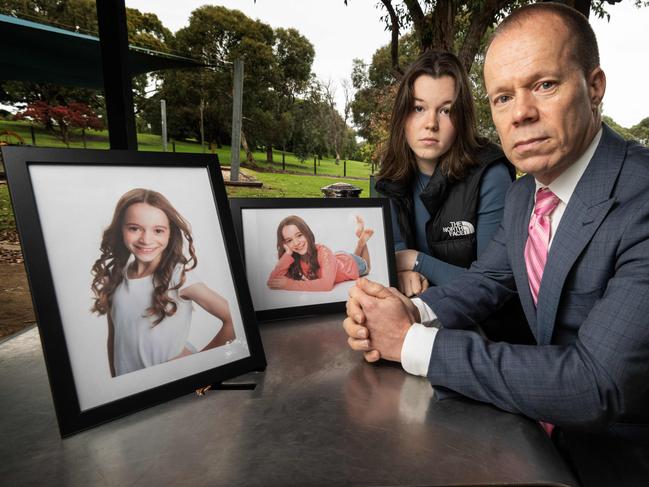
41, 53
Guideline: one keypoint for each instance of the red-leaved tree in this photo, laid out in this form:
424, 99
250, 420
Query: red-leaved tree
62, 118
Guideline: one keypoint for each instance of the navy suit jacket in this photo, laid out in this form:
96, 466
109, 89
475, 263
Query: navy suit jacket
590, 369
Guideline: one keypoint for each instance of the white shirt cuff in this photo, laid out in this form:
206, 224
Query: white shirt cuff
426, 314
417, 348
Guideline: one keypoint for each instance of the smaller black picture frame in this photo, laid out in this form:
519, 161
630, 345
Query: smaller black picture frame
72, 418
330, 208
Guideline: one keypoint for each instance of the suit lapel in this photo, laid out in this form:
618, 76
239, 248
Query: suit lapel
587, 208
520, 222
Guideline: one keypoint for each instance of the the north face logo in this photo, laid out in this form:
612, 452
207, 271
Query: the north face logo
458, 229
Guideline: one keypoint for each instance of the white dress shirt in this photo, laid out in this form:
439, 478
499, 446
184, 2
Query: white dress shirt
418, 344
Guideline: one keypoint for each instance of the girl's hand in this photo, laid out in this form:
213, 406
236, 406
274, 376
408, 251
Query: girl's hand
277, 282
412, 283
287, 250
406, 259
225, 336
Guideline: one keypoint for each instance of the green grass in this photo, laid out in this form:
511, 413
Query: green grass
303, 184
277, 185
153, 143
6, 214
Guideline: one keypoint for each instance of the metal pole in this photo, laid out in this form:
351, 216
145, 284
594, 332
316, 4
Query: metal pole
237, 99
202, 105
118, 87
163, 123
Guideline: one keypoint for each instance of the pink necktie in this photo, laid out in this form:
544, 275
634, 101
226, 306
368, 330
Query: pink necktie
536, 248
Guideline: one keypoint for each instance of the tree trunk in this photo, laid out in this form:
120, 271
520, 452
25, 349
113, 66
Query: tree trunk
64, 135
250, 159
442, 26
437, 31
269, 153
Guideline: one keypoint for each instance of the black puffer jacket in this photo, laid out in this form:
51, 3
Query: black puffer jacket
452, 205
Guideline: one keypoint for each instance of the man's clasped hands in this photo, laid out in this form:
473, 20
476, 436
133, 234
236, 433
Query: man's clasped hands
378, 319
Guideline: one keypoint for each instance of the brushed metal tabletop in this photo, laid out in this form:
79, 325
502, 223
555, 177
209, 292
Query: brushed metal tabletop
318, 415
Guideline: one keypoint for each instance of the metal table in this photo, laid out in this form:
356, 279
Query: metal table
319, 415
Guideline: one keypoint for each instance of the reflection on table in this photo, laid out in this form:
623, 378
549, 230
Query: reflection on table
318, 415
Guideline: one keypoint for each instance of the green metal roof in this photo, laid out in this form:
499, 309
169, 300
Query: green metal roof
38, 52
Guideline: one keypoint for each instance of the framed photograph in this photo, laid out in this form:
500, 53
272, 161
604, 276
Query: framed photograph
302, 255
135, 274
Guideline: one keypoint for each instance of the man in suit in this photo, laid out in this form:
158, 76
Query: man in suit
573, 244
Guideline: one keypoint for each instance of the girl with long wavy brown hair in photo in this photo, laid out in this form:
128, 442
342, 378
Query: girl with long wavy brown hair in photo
305, 265
143, 282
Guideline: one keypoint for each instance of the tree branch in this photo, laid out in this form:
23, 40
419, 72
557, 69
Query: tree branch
394, 43
419, 22
481, 19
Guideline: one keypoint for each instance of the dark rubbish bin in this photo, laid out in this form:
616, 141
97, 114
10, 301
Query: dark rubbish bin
341, 190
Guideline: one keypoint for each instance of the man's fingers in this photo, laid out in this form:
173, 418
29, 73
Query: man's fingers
373, 288
398, 294
372, 355
355, 330
363, 300
358, 345
354, 310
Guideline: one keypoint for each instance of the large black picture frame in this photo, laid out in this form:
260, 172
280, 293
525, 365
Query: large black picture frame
331, 215
34, 176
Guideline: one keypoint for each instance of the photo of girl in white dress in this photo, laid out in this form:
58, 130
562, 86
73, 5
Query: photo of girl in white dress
145, 283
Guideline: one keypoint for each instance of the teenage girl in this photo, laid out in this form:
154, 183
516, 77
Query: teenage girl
143, 282
446, 184
306, 266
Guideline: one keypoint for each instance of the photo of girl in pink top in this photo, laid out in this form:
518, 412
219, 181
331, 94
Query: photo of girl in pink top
305, 265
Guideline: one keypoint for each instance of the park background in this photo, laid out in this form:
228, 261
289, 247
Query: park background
319, 78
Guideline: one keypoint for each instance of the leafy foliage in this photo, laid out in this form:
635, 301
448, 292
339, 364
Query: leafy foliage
62, 118
276, 67
639, 132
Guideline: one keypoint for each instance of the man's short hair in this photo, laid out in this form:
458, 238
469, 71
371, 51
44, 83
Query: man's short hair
584, 42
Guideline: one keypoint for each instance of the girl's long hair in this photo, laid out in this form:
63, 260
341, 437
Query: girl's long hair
109, 268
399, 163
311, 256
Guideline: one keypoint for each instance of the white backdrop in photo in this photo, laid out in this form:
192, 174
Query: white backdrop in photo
333, 227
75, 204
